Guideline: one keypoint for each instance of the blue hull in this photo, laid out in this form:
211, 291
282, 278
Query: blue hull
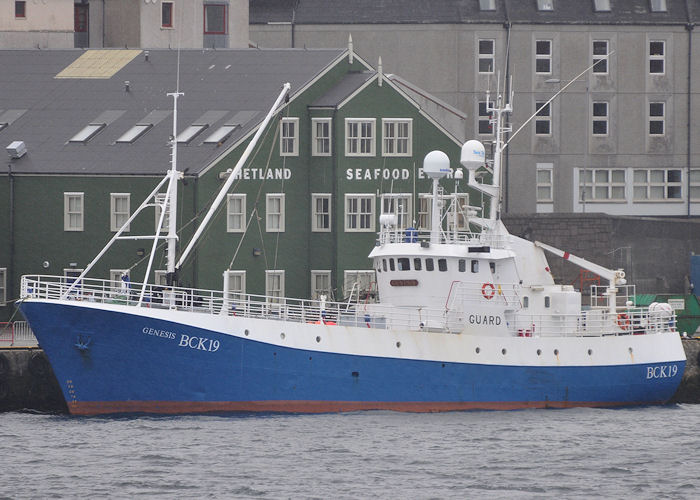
111, 362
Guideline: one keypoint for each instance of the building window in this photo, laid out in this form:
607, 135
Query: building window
657, 118
359, 284
458, 213
543, 57
321, 136
160, 277
320, 212
487, 53
359, 212
424, 212
399, 205
20, 10
657, 58
545, 5
543, 120
600, 118
3, 286
601, 5
236, 286
73, 211
657, 184
160, 204
397, 137
119, 211
274, 213
602, 185
166, 18
359, 136
289, 137
117, 285
600, 63
235, 213
487, 4
658, 5
274, 286
320, 284
544, 183
215, 19
485, 127
695, 185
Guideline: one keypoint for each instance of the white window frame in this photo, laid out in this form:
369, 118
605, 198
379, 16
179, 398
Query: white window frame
317, 139
289, 139
115, 279
160, 277
359, 220
543, 116
599, 119
366, 277
317, 291
78, 213
271, 215
236, 285
159, 199
484, 118
3, 286
591, 182
486, 56
401, 205
425, 210
315, 214
239, 215
656, 58
397, 133
543, 56
600, 63
274, 291
652, 183
657, 118
694, 183
114, 215
360, 136
545, 184
462, 219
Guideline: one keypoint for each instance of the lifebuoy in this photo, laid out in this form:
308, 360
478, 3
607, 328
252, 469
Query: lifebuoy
488, 295
623, 321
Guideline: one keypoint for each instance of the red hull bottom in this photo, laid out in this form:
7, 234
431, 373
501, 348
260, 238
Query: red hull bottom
189, 407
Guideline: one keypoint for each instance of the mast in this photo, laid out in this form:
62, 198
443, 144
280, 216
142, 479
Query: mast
172, 195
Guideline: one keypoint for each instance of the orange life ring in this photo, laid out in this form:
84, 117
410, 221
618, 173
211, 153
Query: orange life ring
623, 321
487, 295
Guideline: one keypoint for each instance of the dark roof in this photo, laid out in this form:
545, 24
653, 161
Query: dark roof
346, 12
235, 85
345, 87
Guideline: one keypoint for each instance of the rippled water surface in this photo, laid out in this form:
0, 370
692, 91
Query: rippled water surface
646, 452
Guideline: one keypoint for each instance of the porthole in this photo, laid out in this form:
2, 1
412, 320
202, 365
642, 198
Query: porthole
590, 351
398, 344
503, 351
246, 333
282, 335
539, 352
318, 339
556, 352
478, 350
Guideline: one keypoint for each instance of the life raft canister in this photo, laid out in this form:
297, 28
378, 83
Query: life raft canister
488, 291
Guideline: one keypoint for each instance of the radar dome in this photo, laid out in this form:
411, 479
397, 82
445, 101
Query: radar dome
436, 165
473, 155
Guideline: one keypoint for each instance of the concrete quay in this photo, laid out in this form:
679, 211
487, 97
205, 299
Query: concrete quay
28, 383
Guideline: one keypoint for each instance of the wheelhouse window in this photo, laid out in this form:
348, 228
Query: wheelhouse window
657, 184
543, 57
321, 136
215, 19
359, 212
274, 213
119, 211
73, 211
543, 118
657, 57
397, 137
235, 213
320, 212
359, 136
289, 137
487, 54
166, 17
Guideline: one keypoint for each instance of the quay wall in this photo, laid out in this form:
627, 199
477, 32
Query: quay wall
28, 383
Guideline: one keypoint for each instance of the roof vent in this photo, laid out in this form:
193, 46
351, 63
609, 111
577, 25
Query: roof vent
16, 149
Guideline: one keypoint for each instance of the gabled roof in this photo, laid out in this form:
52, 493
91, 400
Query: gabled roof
345, 12
221, 87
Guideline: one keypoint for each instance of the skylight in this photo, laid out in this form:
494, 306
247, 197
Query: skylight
190, 133
487, 4
601, 5
658, 6
545, 4
135, 132
2, 125
88, 132
9, 116
220, 135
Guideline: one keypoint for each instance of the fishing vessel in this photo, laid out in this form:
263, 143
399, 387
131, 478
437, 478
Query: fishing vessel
468, 316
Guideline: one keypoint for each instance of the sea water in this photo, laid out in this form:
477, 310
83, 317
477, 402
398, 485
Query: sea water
645, 452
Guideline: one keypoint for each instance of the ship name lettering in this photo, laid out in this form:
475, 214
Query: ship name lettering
663, 371
486, 319
199, 343
159, 333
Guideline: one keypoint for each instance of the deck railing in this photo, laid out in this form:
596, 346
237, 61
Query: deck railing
17, 334
594, 322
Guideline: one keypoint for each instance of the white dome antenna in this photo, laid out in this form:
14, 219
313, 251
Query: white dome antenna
436, 165
473, 155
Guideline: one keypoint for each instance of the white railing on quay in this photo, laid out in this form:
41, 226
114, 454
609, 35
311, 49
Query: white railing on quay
17, 334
